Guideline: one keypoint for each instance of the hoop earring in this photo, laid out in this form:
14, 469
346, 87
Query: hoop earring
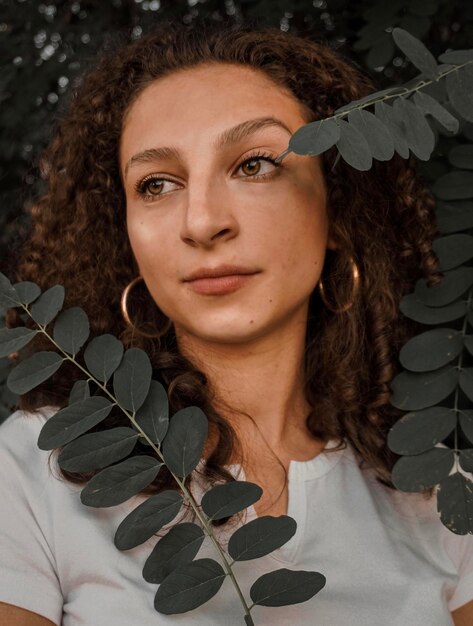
126, 317
355, 288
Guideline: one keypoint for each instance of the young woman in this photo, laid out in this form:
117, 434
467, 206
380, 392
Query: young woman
267, 293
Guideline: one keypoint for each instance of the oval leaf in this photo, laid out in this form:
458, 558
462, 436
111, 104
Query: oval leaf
8, 295
13, 339
460, 156
454, 283
118, 483
379, 138
353, 147
80, 391
385, 113
189, 586
416, 52
27, 291
455, 185
97, 450
178, 546
453, 250
183, 444
72, 421
230, 498
430, 106
103, 355
71, 330
33, 371
422, 471
48, 305
431, 350
149, 517
412, 307
132, 379
420, 431
315, 138
455, 503
460, 91
261, 536
153, 415
413, 391
419, 136
466, 423
284, 586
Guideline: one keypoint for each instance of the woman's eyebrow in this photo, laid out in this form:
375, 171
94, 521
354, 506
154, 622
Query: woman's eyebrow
228, 136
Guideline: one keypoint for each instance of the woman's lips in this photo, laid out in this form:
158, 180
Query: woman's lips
220, 285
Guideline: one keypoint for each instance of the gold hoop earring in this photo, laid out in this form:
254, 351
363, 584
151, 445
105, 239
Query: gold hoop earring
355, 288
126, 316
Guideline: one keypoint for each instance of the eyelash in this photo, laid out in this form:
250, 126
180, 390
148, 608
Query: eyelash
141, 185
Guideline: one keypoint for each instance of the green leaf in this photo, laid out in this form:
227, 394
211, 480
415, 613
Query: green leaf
147, 519
71, 330
153, 415
430, 106
27, 291
422, 471
72, 421
412, 307
97, 450
453, 284
118, 483
261, 536
8, 295
419, 136
385, 113
33, 371
379, 138
80, 391
230, 498
455, 503
456, 57
189, 586
466, 459
353, 147
465, 380
462, 156
103, 355
431, 349
453, 250
381, 53
454, 216
13, 339
177, 547
413, 391
460, 91
455, 185
284, 586
315, 138
416, 52
420, 431
132, 379
48, 305
183, 444
466, 423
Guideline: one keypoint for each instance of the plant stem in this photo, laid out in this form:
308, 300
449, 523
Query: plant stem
202, 518
406, 92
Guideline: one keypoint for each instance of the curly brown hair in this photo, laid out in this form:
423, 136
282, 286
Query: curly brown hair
383, 218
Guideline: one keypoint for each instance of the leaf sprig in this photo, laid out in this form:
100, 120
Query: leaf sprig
185, 583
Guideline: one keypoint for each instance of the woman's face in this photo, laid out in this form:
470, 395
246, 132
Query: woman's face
206, 203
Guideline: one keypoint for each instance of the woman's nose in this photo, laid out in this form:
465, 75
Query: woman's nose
208, 218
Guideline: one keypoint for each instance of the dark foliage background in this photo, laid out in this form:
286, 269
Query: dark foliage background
44, 46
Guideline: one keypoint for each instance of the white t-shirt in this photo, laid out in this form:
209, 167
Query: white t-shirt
386, 555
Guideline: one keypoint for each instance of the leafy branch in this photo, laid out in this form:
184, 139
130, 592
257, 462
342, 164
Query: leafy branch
185, 584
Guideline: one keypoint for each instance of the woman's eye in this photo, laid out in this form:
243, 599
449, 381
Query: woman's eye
152, 186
